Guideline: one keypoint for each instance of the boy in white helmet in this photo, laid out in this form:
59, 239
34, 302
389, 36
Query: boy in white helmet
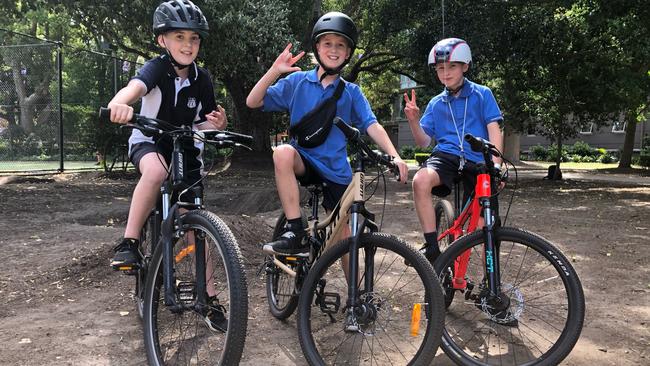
462, 107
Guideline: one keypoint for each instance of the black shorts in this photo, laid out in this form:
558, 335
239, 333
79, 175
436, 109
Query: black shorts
192, 166
332, 192
446, 165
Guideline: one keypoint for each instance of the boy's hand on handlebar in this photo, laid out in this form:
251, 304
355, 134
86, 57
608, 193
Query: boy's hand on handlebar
217, 119
120, 113
403, 169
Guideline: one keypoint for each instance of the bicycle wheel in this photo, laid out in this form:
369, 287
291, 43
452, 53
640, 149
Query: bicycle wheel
546, 308
444, 220
147, 240
115, 152
281, 291
385, 317
188, 336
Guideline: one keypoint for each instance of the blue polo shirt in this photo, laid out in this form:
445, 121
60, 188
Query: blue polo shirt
299, 93
482, 109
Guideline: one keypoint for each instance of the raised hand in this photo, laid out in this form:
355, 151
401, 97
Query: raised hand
285, 61
411, 109
218, 118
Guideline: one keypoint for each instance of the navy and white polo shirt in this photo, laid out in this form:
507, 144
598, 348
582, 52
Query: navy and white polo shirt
180, 102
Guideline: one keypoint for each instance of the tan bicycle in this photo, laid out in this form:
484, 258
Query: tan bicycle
358, 303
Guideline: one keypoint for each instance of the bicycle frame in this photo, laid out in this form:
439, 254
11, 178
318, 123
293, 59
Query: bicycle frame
469, 219
348, 209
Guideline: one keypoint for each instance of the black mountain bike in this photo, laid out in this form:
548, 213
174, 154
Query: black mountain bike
190, 282
358, 303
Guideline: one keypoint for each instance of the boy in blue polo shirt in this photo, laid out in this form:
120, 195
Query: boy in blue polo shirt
462, 107
334, 39
174, 89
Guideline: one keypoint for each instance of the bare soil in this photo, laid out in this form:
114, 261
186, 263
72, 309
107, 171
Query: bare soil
60, 303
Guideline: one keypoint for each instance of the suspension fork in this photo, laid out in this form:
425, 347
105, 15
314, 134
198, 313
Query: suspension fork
353, 259
491, 249
200, 248
166, 237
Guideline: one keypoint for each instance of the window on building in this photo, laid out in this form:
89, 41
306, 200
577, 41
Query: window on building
618, 127
588, 129
530, 130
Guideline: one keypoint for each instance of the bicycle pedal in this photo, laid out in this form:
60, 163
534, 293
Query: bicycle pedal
329, 302
129, 270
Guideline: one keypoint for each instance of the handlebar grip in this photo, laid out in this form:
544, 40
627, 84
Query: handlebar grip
350, 132
104, 114
479, 144
476, 143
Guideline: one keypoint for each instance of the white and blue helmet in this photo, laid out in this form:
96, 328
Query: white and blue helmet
450, 50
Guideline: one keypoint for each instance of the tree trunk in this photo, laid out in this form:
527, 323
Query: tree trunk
248, 121
628, 144
558, 159
511, 144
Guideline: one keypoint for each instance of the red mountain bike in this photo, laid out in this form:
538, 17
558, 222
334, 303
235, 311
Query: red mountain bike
521, 300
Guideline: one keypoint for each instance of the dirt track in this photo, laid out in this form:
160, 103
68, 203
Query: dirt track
62, 305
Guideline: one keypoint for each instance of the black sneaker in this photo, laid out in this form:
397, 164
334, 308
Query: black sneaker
126, 256
216, 318
430, 254
288, 243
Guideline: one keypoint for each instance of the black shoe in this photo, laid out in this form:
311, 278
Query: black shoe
216, 318
288, 243
431, 253
428, 252
126, 256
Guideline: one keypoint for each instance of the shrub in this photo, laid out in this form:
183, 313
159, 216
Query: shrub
605, 159
644, 159
406, 152
538, 152
576, 158
588, 159
583, 149
552, 153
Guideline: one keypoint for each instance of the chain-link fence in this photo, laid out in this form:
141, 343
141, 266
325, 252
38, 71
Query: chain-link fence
48, 107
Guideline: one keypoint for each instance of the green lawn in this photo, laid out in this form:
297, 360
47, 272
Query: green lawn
572, 165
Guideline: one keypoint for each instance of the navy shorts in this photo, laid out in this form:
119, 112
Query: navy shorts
332, 192
192, 166
446, 165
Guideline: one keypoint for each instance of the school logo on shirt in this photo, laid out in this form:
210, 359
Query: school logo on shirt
191, 102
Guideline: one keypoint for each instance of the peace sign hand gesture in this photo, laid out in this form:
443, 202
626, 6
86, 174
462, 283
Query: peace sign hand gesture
411, 109
285, 61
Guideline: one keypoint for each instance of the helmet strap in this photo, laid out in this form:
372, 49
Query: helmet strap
171, 58
456, 90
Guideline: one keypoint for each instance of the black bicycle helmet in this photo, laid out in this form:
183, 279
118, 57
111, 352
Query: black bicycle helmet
179, 14
336, 23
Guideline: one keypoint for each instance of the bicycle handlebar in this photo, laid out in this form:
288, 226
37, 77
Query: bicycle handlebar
353, 134
159, 127
481, 145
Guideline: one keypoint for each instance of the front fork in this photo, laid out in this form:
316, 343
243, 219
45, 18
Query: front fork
491, 252
172, 229
354, 309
